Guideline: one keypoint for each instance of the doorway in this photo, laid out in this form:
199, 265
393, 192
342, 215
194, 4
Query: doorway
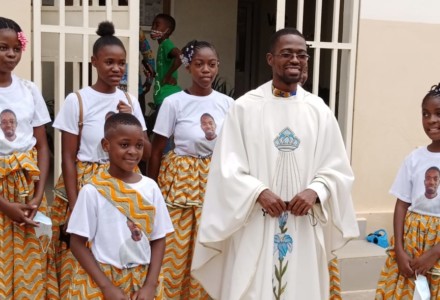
330, 29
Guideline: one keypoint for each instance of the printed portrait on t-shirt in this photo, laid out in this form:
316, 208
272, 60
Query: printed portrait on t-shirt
135, 247
206, 145
207, 123
136, 233
429, 201
432, 181
8, 121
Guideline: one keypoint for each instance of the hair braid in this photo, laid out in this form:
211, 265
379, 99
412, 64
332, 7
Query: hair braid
433, 93
192, 48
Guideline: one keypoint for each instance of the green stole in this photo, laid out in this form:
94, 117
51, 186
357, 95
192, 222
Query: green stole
127, 200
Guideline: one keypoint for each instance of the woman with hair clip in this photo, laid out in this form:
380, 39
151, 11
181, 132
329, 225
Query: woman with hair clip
194, 117
27, 270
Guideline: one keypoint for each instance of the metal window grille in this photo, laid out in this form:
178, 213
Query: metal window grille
342, 49
63, 32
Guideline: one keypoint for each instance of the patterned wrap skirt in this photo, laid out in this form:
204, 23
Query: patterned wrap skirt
335, 280
27, 268
421, 233
65, 261
182, 180
128, 280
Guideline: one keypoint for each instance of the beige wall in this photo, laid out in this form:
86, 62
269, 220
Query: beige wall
213, 21
20, 12
397, 64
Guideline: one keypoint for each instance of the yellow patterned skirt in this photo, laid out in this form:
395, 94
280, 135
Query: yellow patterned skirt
26, 272
128, 280
182, 180
65, 261
421, 233
335, 280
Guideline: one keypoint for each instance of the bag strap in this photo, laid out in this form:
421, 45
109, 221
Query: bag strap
126, 199
81, 113
129, 99
80, 117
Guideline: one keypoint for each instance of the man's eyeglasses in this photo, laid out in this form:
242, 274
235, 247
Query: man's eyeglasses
8, 122
291, 55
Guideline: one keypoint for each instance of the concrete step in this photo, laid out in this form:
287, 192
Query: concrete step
360, 263
359, 295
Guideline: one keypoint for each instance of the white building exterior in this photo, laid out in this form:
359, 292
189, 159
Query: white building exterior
376, 71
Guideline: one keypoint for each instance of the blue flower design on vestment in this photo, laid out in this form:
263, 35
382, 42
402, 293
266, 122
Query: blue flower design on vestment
285, 184
283, 243
282, 220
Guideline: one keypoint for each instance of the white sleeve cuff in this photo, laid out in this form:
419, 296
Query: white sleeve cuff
320, 189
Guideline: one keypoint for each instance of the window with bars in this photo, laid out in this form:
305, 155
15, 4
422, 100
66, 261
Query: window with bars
330, 28
63, 36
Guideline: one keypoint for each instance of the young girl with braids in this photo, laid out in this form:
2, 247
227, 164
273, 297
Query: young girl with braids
194, 116
415, 247
81, 122
24, 165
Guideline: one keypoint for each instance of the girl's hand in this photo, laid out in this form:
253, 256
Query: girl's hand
425, 262
169, 80
123, 107
144, 293
20, 212
148, 71
403, 263
35, 202
114, 293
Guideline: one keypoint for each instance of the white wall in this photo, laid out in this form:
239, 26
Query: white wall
397, 64
420, 11
20, 12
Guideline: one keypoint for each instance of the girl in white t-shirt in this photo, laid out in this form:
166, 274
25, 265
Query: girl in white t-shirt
415, 247
24, 166
82, 153
194, 117
123, 215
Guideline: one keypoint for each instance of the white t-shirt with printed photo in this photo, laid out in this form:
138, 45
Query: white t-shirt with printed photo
96, 107
22, 108
413, 181
97, 219
190, 118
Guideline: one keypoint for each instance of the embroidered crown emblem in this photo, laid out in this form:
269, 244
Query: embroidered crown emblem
286, 140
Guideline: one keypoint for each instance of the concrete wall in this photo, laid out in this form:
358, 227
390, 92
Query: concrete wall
20, 12
397, 64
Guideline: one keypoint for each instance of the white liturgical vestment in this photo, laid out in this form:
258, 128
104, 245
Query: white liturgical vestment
286, 145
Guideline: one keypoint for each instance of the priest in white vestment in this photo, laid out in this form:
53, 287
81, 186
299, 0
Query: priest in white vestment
278, 200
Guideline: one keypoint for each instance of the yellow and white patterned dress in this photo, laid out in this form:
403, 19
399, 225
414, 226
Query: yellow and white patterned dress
27, 269
104, 207
90, 159
416, 183
194, 121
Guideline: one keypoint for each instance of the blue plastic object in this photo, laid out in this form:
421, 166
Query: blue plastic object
379, 237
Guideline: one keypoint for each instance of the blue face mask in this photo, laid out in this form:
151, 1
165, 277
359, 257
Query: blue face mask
157, 35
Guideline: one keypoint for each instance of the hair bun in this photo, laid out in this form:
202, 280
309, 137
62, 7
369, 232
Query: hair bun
435, 89
106, 28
